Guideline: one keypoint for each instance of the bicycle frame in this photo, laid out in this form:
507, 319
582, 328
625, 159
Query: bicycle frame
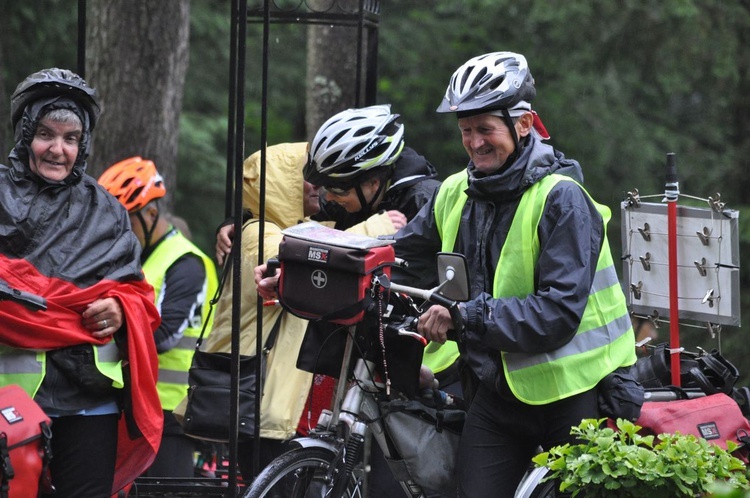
353, 404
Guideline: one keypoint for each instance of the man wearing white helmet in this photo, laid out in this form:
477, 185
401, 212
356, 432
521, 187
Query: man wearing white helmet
547, 320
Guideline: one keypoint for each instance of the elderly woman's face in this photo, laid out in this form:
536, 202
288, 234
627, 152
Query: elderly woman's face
55, 149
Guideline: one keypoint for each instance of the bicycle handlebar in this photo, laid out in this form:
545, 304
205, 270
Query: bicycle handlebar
434, 297
31, 301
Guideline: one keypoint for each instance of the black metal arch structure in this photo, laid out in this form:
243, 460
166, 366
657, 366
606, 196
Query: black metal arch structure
365, 19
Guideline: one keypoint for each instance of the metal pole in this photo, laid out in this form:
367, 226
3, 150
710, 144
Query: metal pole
358, 78
671, 193
81, 39
232, 114
239, 23
371, 84
261, 223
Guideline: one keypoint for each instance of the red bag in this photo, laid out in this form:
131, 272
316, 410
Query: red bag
25, 450
326, 274
716, 418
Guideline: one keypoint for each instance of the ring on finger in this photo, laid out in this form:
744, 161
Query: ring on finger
104, 324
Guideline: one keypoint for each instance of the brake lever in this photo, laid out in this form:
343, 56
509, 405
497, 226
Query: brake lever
413, 335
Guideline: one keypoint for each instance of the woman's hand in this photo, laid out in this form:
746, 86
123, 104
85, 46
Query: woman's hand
224, 242
103, 317
267, 286
397, 218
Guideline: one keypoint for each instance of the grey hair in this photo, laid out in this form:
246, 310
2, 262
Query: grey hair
63, 116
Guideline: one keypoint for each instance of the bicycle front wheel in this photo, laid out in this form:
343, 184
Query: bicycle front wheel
534, 485
303, 473
547, 489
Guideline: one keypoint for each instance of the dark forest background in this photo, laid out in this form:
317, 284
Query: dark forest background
620, 84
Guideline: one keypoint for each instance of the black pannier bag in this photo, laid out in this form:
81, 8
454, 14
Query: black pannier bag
326, 274
323, 347
426, 441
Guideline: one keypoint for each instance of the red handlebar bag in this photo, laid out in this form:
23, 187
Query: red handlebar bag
24, 445
326, 274
716, 418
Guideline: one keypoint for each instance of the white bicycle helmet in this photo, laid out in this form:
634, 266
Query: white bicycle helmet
353, 142
494, 81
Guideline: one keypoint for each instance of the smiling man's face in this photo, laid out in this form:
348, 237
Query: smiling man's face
488, 140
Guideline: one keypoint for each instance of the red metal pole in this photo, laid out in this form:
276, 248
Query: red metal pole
672, 192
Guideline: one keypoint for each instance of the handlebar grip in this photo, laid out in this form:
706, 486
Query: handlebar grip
442, 300
452, 307
458, 321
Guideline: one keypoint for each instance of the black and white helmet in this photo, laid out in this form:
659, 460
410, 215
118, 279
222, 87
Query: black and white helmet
498, 80
352, 142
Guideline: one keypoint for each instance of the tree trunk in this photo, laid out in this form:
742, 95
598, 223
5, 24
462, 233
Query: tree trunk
137, 58
331, 67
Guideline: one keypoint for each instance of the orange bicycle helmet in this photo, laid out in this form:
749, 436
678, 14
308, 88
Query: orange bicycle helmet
134, 181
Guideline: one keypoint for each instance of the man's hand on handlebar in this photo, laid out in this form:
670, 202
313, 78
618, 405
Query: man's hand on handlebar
435, 323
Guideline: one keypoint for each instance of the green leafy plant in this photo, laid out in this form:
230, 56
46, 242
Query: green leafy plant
625, 464
724, 490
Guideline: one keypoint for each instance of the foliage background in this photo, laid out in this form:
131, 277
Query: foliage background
620, 84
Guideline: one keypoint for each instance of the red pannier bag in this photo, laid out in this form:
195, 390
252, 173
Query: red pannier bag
25, 452
716, 418
326, 274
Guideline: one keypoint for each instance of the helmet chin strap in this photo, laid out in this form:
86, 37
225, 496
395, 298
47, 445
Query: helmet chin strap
366, 207
147, 233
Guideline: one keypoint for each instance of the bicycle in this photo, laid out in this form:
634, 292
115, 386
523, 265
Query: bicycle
328, 462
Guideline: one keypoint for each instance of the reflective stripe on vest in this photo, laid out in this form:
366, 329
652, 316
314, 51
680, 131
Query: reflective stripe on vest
27, 368
174, 364
23, 367
107, 357
604, 338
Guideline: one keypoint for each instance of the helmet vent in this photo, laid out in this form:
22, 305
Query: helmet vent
364, 131
497, 83
330, 160
338, 137
479, 77
136, 193
355, 150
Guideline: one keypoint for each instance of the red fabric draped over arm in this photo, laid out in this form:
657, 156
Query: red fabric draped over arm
61, 326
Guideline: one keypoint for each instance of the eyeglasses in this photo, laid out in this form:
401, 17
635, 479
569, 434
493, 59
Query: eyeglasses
338, 191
